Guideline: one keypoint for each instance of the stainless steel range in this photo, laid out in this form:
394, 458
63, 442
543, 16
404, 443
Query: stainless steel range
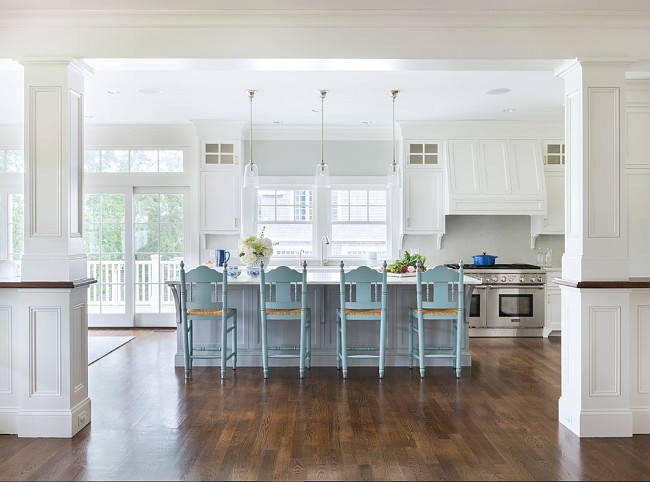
509, 302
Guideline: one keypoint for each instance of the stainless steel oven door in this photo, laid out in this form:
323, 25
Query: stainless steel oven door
515, 307
478, 307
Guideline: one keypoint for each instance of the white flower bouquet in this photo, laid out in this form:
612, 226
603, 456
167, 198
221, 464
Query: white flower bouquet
254, 249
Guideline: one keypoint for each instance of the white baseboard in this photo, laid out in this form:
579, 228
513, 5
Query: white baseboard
8, 421
641, 418
596, 423
53, 423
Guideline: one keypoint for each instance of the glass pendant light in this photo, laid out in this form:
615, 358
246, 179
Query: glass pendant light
322, 178
251, 178
393, 169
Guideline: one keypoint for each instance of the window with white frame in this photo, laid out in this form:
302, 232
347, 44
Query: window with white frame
15, 227
286, 215
12, 160
133, 160
359, 222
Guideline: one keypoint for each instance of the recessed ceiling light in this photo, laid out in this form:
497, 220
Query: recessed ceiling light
366, 122
277, 122
149, 91
499, 91
89, 116
114, 92
509, 110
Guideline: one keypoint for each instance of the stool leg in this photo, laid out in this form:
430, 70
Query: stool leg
410, 339
421, 343
234, 342
303, 334
459, 346
382, 343
265, 348
338, 341
186, 348
224, 343
344, 346
308, 339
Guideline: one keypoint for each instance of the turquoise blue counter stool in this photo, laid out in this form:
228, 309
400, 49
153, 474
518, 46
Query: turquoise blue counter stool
439, 299
363, 297
198, 304
283, 296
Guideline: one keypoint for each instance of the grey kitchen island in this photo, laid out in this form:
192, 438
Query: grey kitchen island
323, 299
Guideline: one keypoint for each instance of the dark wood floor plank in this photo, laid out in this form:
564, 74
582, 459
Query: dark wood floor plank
498, 422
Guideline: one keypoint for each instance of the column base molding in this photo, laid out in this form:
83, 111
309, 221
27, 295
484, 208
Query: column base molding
596, 423
53, 423
641, 420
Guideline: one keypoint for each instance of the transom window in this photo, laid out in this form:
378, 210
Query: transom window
286, 215
133, 160
359, 222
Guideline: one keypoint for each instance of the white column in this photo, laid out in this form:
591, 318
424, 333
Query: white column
53, 171
48, 317
595, 397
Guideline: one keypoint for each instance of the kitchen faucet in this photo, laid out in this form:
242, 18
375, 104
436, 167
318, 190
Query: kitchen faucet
323, 261
302, 251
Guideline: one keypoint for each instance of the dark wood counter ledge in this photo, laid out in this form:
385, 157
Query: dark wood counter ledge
631, 283
79, 283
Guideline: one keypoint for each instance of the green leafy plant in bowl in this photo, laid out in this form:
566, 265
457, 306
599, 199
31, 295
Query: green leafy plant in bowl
408, 264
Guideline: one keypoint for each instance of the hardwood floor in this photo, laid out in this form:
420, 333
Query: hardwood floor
498, 422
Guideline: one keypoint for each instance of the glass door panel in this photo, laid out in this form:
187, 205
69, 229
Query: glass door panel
104, 240
159, 235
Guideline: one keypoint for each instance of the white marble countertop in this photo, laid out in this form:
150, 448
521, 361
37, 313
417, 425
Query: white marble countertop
329, 276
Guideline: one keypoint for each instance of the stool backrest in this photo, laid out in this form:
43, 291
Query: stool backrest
440, 287
284, 288
363, 288
202, 283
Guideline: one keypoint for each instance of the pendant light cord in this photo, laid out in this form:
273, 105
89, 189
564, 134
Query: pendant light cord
251, 94
394, 94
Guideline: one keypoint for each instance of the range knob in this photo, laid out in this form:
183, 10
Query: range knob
495, 279
522, 279
540, 279
503, 279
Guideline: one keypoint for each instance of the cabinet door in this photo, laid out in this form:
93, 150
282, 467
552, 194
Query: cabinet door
494, 166
526, 167
553, 313
220, 201
463, 167
423, 202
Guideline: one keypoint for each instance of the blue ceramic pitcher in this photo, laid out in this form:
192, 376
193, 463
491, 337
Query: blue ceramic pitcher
222, 256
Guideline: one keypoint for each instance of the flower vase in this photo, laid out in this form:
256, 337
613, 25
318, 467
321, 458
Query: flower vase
254, 269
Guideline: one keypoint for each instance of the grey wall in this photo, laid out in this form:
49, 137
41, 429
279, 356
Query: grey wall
299, 158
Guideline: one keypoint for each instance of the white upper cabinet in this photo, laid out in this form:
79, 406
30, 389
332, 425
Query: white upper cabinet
554, 154
424, 188
219, 187
552, 222
496, 176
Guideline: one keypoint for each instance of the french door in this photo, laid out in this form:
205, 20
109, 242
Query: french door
135, 238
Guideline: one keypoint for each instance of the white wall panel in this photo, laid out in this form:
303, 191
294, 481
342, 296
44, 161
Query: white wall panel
604, 162
6, 366
44, 351
643, 350
574, 165
604, 351
638, 140
76, 163
79, 348
45, 158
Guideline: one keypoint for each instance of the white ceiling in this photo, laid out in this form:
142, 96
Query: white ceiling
288, 91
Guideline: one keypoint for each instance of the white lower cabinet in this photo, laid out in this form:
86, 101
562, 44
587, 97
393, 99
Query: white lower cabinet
423, 198
553, 311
